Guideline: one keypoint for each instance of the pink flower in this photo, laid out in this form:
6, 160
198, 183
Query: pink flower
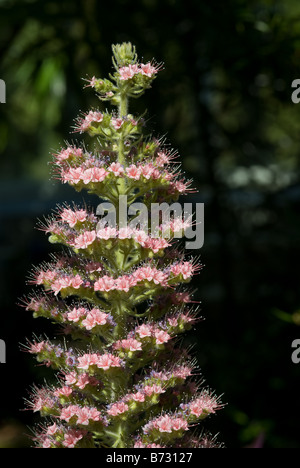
74, 175
138, 397
68, 412
72, 217
71, 438
71, 378
179, 424
148, 69
117, 408
126, 73
157, 244
76, 314
106, 361
130, 344
182, 372
117, 169
117, 123
76, 282
66, 153
107, 233
94, 414
161, 337
159, 277
123, 283
187, 270
69, 216
147, 171
163, 424
47, 443
63, 391
140, 237
162, 159
51, 430
83, 381
106, 283
87, 360
84, 240
133, 172
144, 331
89, 119
150, 389
94, 174
94, 317
36, 348
205, 403
125, 233
83, 416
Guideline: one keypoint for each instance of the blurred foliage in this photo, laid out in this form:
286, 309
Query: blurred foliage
224, 100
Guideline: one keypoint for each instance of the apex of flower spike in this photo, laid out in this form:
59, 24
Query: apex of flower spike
124, 54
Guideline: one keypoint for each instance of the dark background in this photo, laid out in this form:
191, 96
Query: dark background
224, 100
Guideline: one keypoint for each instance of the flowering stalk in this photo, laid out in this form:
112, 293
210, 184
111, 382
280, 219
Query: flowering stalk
118, 291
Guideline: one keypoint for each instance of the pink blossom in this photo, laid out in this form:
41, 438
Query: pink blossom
71, 438
144, 330
94, 174
84, 240
117, 408
187, 270
150, 389
87, 360
140, 236
69, 216
63, 391
83, 416
162, 159
130, 344
147, 171
179, 424
117, 123
106, 283
148, 69
51, 430
106, 361
89, 119
66, 153
76, 282
94, 317
94, 414
126, 73
159, 277
133, 172
161, 337
36, 348
83, 381
76, 314
123, 283
73, 175
125, 233
182, 372
205, 403
47, 443
107, 233
71, 378
116, 168
163, 424
138, 397
68, 412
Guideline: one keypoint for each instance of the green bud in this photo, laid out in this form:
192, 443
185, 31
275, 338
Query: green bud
124, 54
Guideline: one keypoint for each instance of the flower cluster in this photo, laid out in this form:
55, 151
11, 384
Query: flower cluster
118, 293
